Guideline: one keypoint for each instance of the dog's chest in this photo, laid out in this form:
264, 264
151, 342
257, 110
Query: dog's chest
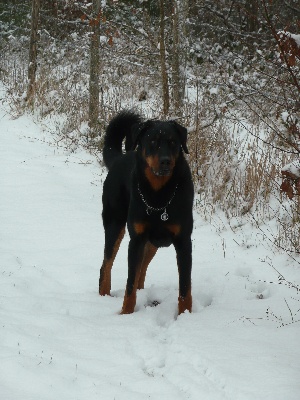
160, 236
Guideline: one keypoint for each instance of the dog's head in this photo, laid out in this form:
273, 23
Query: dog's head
160, 143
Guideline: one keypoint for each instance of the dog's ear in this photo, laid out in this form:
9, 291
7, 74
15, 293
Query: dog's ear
182, 131
138, 130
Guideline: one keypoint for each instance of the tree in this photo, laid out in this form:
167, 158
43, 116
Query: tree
94, 67
180, 13
163, 66
252, 22
33, 48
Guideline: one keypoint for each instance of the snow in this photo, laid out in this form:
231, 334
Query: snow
291, 35
293, 167
285, 115
296, 38
214, 90
60, 340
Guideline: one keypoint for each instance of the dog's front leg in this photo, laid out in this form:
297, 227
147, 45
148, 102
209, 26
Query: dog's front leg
135, 258
183, 249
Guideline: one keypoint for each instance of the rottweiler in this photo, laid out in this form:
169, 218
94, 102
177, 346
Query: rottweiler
150, 189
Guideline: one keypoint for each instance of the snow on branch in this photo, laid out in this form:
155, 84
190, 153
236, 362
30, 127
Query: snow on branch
290, 45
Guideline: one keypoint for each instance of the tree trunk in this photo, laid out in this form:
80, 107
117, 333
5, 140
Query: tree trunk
163, 66
33, 46
94, 69
180, 9
252, 15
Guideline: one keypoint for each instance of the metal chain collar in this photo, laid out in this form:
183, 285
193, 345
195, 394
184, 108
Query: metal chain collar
164, 216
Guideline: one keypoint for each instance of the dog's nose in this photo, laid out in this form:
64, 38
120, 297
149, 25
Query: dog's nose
165, 162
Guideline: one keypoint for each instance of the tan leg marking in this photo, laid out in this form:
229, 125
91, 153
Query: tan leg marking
105, 272
174, 228
185, 303
149, 253
130, 301
139, 227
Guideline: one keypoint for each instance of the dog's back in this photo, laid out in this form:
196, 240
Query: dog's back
118, 129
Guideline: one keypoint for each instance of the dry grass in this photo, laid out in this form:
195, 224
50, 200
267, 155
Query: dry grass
239, 174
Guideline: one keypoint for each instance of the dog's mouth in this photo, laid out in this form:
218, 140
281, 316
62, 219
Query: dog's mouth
162, 171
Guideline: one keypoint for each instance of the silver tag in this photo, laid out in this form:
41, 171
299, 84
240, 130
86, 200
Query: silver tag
164, 216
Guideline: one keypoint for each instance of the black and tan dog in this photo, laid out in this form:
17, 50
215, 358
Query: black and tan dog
150, 188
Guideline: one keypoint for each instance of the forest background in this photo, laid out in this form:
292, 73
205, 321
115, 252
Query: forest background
228, 70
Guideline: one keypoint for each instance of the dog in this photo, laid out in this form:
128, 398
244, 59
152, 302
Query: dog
150, 189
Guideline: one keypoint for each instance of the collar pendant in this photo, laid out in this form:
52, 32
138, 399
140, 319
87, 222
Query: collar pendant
164, 216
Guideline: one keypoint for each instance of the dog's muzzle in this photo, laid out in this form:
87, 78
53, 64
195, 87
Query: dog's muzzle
165, 168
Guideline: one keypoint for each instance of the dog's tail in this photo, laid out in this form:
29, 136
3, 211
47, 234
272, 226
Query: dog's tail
118, 129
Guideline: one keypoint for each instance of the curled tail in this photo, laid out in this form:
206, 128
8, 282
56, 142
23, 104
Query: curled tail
118, 128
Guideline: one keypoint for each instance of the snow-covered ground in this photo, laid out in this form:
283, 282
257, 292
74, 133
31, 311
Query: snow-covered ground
60, 340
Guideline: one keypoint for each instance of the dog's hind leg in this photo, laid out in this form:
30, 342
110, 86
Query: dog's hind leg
113, 236
149, 253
